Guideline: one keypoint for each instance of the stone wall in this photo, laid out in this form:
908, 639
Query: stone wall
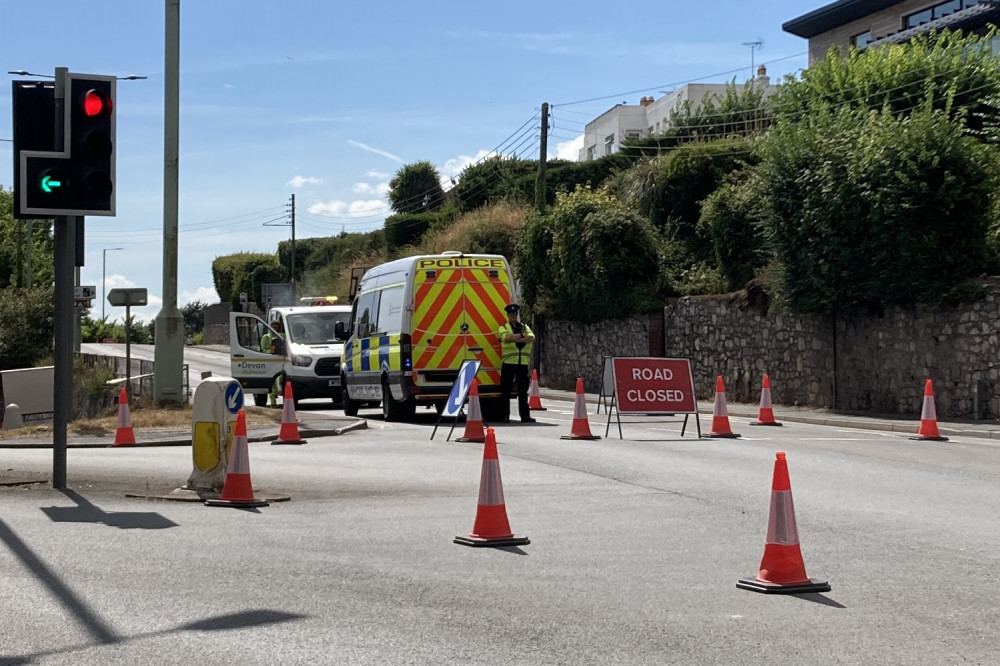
875, 362
567, 350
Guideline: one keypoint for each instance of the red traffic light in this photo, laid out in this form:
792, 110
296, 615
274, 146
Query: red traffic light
96, 103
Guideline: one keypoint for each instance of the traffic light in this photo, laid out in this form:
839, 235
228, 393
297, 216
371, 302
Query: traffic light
33, 105
79, 179
90, 142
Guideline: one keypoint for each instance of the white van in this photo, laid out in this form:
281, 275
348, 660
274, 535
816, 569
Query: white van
309, 355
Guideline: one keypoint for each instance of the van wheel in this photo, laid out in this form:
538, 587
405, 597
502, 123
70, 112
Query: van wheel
393, 410
351, 407
260, 399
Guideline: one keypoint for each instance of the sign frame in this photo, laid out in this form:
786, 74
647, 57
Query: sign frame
459, 394
653, 386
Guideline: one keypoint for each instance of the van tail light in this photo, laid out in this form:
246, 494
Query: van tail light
405, 352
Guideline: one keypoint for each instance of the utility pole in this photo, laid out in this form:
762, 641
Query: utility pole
293, 249
168, 354
542, 156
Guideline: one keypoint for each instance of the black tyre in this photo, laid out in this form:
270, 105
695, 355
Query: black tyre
393, 410
351, 407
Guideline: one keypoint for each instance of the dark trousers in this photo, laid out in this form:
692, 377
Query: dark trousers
509, 373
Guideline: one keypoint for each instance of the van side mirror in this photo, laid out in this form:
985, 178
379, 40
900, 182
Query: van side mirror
340, 331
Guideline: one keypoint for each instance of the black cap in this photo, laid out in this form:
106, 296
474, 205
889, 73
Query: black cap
512, 308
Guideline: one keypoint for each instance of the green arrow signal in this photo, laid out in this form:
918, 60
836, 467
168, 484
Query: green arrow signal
50, 182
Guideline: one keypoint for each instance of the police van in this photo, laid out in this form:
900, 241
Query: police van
414, 321
307, 352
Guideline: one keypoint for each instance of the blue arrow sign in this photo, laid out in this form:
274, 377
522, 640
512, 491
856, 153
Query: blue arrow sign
460, 389
234, 397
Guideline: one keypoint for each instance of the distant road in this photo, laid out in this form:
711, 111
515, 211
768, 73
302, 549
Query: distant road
199, 358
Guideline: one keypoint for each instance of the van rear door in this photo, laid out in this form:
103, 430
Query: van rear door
458, 306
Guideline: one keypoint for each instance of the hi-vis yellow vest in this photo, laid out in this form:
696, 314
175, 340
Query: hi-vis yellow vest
511, 354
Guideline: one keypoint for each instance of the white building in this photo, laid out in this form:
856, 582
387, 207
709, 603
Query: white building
604, 134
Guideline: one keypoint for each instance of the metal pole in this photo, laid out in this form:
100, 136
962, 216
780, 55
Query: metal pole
128, 350
169, 351
64, 250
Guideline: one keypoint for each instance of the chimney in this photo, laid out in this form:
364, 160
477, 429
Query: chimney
645, 101
762, 76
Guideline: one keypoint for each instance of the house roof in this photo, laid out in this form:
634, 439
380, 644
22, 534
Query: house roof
834, 15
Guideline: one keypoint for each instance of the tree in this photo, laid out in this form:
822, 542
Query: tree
589, 259
194, 317
416, 188
865, 208
953, 73
13, 241
26, 326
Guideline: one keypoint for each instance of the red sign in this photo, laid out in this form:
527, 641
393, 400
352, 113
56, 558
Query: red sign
654, 385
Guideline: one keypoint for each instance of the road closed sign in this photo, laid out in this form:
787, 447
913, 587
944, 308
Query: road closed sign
650, 385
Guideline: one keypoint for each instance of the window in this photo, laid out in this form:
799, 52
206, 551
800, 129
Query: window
591, 153
249, 331
633, 134
390, 310
367, 313
946, 8
609, 144
862, 41
921, 17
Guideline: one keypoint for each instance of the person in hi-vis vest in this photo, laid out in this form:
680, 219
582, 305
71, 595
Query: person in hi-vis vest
515, 343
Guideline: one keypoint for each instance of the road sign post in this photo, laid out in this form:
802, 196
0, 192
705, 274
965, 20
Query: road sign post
127, 296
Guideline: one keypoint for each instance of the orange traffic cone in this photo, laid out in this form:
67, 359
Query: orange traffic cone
237, 491
581, 426
124, 436
766, 414
289, 432
928, 417
474, 419
491, 527
720, 415
782, 569
534, 398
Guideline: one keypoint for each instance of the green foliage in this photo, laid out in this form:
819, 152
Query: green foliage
492, 180
13, 242
194, 317
328, 257
669, 189
952, 73
233, 274
407, 229
589, 259
864, 208
732, 217
26, 325
95, 330
416, 188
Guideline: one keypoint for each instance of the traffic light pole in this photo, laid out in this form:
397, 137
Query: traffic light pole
64, 255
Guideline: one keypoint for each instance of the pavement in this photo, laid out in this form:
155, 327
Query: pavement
312, 424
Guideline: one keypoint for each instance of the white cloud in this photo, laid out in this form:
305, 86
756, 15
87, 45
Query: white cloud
299, 181
569, 150
381, 175
456, 165
378, 189
206, 295
377, 151
359, 208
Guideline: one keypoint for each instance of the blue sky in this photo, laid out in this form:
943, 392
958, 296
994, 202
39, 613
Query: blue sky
326, 100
